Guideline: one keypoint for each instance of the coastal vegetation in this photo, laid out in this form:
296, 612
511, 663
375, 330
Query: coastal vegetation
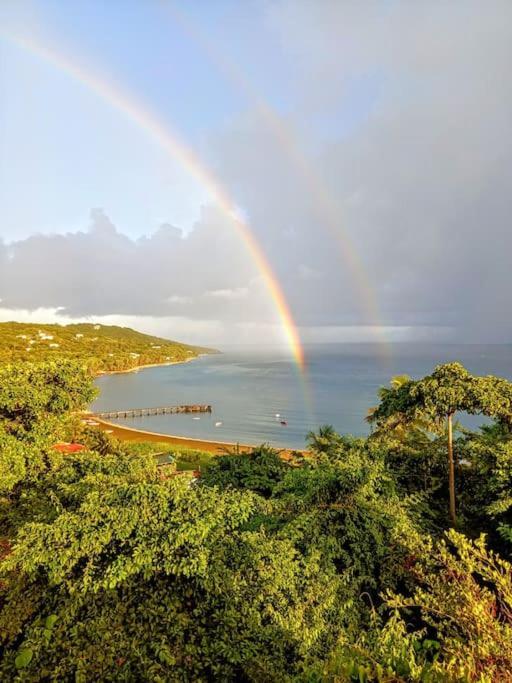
104, 348
340, 565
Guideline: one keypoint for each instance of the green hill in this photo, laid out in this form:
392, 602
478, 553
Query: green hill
104, 348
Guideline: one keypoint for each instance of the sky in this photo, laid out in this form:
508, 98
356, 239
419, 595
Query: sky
186, 167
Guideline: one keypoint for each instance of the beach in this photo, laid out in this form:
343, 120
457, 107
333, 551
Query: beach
217, 447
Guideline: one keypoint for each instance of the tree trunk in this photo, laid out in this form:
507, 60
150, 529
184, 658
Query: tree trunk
451, 471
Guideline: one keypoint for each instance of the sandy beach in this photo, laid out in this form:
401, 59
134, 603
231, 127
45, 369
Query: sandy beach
218, 447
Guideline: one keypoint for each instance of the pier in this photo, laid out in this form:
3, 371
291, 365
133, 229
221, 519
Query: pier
146, 412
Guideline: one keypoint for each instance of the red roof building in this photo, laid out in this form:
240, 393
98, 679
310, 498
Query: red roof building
69, 447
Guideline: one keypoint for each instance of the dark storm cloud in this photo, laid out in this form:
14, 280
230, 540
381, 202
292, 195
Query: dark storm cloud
422, 181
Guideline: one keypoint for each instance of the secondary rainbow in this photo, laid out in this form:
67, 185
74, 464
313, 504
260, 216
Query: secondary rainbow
171, 143
323, 202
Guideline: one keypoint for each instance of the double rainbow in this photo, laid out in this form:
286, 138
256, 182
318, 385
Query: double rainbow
170, 142
323, 202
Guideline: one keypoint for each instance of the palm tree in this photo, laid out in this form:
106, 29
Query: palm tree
324, 441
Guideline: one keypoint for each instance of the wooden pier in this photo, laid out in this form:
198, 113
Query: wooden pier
146, 412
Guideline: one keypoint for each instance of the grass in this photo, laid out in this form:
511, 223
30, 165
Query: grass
186, 458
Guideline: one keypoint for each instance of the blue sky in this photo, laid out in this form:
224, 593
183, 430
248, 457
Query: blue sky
65, 151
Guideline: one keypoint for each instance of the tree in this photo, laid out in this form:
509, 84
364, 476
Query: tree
326, 441
449, 389
259, 471
30, 392
455, 625
35, 404
138, 578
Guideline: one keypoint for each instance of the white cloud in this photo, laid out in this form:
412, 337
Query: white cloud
236, 293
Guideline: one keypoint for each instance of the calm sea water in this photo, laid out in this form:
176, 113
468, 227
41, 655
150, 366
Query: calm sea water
247, 389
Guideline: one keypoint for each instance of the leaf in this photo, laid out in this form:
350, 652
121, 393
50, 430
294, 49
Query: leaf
50, 621
24, 658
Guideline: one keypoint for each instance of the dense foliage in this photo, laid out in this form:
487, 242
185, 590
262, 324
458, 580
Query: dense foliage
334, 567
104, 348
437, 397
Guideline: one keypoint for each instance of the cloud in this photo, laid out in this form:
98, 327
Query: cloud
101, 271
237, 293
390, 179
404, 115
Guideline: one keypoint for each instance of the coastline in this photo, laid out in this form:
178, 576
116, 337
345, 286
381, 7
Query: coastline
217, 447
102, 373
210, 446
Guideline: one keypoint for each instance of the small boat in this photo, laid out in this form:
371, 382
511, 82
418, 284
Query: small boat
196, 418
218, 424
284, 423
278, 414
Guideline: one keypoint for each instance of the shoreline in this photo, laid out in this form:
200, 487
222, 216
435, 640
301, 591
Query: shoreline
218, 447
210, 446
102, 373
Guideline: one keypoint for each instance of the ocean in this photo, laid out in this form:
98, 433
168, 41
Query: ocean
252, 391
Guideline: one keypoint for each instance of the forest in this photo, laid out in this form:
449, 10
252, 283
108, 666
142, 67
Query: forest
386, 558
104, 348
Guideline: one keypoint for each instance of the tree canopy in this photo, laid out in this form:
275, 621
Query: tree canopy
334, 567
103, 348
448, 390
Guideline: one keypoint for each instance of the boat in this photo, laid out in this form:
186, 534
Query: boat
284, 423
218, 424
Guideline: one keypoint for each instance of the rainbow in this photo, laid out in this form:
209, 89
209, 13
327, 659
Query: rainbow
169, 141
323, 202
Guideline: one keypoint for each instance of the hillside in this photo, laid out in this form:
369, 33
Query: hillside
104, 348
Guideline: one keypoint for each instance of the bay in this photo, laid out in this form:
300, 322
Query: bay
249, 388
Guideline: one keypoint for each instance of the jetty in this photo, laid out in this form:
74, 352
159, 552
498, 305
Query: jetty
146, 412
